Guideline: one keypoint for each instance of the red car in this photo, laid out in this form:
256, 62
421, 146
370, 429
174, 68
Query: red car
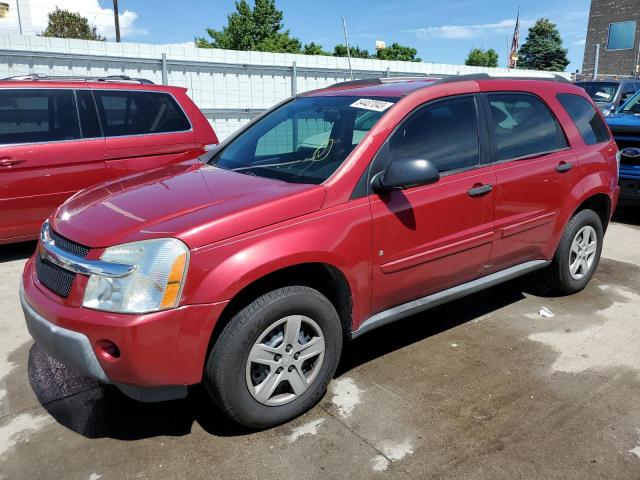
60, 135
338, 211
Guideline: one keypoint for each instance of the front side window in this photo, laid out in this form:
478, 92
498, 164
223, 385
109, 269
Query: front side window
522, 126
445, 132
585, 117
37, 115
622, 35
305, 140
139, 113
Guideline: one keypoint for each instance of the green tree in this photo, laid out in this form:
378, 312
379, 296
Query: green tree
314, 49
480, 58
356, 52
66, 24
398, 52
258, 29
543, 49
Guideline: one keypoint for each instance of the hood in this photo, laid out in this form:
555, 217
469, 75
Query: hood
624, 123
198, 204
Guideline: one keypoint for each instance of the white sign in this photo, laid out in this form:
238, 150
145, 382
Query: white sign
369, 104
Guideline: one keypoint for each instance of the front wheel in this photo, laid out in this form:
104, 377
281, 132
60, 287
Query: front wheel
275, 358
578, 254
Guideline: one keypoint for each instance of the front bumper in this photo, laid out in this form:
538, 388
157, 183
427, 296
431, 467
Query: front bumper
160, 353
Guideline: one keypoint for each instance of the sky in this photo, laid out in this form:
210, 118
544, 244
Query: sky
442, 31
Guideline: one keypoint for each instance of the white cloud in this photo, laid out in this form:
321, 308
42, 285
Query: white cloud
463, 32
34, 14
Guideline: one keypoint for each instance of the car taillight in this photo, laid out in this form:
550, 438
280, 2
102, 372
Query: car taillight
618, 157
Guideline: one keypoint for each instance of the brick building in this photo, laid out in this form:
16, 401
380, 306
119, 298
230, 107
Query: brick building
615, 25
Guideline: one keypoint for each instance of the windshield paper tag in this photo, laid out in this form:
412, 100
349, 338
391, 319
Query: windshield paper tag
368, 104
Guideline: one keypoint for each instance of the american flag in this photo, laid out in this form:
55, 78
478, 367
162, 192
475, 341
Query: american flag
515, 44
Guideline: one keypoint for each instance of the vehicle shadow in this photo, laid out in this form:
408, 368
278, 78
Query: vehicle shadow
98, 411
16, 251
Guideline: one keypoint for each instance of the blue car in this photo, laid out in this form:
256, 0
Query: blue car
625, 125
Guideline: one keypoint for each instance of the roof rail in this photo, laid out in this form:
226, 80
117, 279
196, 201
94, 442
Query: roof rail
549, 77
74, 78
383, 80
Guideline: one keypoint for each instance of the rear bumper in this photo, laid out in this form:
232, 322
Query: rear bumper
159, 353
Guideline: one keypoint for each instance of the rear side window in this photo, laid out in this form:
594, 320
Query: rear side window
37, 115
586, 118
88, 114
139, 113
445, 132
523, 126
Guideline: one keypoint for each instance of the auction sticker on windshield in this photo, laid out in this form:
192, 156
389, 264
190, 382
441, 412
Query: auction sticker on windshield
369, 104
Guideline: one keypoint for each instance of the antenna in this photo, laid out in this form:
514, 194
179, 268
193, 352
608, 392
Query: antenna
346, 41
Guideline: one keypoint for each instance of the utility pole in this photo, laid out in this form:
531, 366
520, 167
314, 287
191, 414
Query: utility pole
596, 62
117, 19
346, 41
19, 17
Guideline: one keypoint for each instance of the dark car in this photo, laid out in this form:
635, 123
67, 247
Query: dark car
625, 125
609, 95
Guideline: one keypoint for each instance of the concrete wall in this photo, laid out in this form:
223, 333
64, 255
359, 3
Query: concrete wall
612, 62
231, 87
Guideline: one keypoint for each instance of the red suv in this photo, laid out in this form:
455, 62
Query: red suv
59, 135
336, 212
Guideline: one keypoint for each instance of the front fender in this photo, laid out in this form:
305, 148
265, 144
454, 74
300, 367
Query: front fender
340, 237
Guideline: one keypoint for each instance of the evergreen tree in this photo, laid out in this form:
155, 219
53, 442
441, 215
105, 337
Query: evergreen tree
543, 49
356, 52
258, 29
314, 49
66, 24
480, 58
398, 52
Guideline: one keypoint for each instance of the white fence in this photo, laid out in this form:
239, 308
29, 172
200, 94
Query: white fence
230, 87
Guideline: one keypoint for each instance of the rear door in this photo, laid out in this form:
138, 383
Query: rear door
432, 237
143, 129
45, 156
535, 172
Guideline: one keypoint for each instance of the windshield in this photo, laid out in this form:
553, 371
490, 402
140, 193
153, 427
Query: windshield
305, 140
600, 91
632, 105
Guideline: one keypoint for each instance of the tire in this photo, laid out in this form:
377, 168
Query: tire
240, 387
559, 275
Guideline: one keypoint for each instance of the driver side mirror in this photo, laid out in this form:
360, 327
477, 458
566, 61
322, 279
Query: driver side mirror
405, 173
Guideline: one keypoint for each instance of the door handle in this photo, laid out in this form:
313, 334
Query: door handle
9, 162
480, 190
563, 167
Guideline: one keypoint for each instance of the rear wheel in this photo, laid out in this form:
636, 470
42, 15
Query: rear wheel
578, 254
275, 358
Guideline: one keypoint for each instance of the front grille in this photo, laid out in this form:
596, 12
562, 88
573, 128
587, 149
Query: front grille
68, 245
622, 144
55, 278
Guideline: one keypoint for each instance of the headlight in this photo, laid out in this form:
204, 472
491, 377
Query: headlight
155, 284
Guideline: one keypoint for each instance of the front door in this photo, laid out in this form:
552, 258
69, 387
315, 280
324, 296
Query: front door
429, 238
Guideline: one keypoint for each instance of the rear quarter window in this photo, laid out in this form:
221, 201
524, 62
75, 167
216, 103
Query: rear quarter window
589, 123
139, 113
